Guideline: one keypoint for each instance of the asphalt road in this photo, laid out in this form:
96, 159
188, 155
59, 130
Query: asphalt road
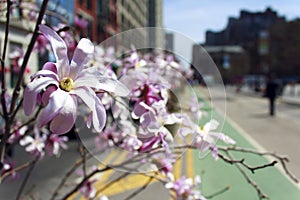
279, 133
249, 117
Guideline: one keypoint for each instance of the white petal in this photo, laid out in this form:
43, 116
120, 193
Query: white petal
112, 85
80, 57
89, 97
56, 103
59, 49
32, 90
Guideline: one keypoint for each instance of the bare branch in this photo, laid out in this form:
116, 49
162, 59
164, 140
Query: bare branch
17, 89
242, 162
282, 159
260, 193
218, 193
140, 189
26, 178
21, 167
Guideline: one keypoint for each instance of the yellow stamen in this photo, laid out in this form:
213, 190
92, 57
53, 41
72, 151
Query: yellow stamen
66, 84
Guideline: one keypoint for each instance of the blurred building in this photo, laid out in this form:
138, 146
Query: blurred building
58, 11
156, 33
108, 24
284, 48
88, 10
169, 42
131, 15
232, 61
109, 17
251, 31
17, 42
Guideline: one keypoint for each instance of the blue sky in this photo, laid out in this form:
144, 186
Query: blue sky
193, 17
189, 19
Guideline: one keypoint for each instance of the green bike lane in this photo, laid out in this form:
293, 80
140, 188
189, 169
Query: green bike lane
218, 175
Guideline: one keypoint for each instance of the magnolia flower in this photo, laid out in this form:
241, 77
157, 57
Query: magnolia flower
16, 58
153, 120
88, 189
207, 137
80, 22
185, 188
133, 61
60, 84
55, 143
35, 144
103, 197
18, 133
9, 167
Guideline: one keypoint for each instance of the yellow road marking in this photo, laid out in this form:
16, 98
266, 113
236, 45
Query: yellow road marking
128, 183
189, 163
177, 169
133, 181
112, 158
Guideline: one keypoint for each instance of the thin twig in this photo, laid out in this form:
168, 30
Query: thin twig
83, 156
26, 178
64, 179
111, 183
218, 193
17, 89
79, 185
33, 119
242, 162
282, 159
19, 168
140, 189
3, 83
260, 193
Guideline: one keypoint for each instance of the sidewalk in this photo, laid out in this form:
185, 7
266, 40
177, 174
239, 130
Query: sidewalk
285, 97
251, 127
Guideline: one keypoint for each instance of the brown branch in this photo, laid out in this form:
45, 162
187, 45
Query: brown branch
282, 159
3, 84
242, 162
26, 178
218, 193
83, 157
64, 179
19, 168
111, 183
260, 193
140, 189
17, 89
79, 185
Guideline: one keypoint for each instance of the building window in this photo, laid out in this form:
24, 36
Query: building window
88, 4
90, 29
15, 50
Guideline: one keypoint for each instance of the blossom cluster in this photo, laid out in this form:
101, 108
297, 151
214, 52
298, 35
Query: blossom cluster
129, 103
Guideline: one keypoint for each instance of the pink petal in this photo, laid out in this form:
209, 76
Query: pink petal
88, 78
140, 109
89, 97
47, 93
59, 49
148, 120
50, 66
56, 103
45, 73
64, 121
32, 90
114, 86
80, 57
101, 115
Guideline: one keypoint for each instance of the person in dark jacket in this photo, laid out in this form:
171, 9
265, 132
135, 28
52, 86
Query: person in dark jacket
271, 92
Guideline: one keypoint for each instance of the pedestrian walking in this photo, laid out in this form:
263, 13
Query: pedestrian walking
271, 93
